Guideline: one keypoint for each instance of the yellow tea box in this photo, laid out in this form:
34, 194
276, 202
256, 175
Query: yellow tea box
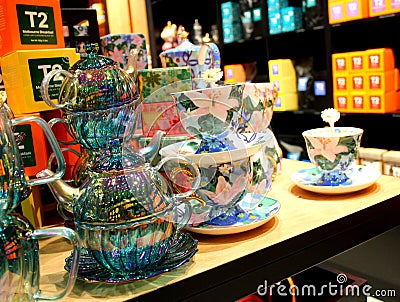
286, 101
281, 68
23, 72
28, 24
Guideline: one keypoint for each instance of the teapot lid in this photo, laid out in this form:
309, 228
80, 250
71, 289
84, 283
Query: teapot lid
97, 83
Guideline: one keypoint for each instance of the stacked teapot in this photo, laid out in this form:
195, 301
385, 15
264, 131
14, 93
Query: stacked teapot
19, 249
125, 212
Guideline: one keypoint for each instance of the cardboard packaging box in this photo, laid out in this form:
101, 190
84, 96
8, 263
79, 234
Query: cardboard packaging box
382, 81
356, 9
118, 46
151, 80
372, 157
358, 82
342, 102
336, 11
286, 101
281, 68
383, 102
32, 145
158, 108
358, 101
62, 135
27, 25
358, 61
340, 63
292, 18
275, 21
23, 73
341, 83
378, 8
391, 163
234, 73
380, 59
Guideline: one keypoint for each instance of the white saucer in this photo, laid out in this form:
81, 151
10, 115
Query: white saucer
263, 211
361, 177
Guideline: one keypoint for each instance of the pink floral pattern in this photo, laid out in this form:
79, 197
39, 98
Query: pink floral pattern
224, 192
117, 55
327, 147
212, 101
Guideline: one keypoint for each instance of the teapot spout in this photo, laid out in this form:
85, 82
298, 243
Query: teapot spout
62, 192
150, 151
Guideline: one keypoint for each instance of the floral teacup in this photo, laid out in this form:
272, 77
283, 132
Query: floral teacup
333, 151
209, 113
258, 103
226, 177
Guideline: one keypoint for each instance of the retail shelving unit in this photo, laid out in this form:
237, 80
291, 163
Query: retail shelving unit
316, 43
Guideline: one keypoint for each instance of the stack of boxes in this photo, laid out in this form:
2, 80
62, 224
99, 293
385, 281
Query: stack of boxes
385, 161
31, 45
283, 74
159, 111
365, 81
282, 17
231, 23
347, 10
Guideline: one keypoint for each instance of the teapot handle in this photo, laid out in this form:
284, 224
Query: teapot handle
56, 120
73, 237
61, 166
44, 87
188, 162
52, 156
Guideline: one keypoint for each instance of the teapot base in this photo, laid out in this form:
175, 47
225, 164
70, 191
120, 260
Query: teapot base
180, 252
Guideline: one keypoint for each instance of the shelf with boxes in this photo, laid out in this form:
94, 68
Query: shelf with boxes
318, 41
302, 40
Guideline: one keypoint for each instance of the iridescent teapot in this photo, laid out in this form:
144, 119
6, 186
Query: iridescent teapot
19, 259
97, 97
14, 185
121, 195
93, 83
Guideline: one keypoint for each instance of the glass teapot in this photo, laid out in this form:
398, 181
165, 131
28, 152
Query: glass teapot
93, 83
14, 185
125, 201
19, 259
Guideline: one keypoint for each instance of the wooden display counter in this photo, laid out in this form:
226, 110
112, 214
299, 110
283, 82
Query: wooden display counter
308, 229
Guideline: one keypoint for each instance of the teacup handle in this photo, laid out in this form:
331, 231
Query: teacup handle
61, 166
196, 170
73, 237
44, 87
56, 120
